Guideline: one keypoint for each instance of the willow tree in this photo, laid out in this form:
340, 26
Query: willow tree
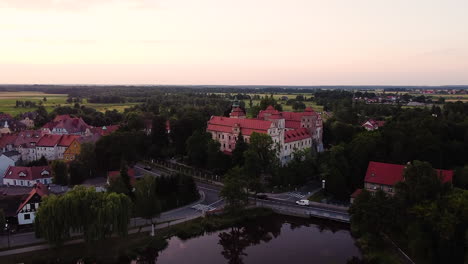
146, 201
97, 215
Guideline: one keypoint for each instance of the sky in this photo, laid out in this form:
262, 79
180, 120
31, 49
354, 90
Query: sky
234, 42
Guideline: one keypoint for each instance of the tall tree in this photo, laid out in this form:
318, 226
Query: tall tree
159, 137
146, 202
59, 172
97, 215
239, 150
235, 190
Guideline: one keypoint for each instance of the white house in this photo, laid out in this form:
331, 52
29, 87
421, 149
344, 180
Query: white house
26, 212
27, 176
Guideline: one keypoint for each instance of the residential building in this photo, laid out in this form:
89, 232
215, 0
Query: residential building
104, 130
64, 143
72, 151
384, 176
27, 210
67, 125
290, 131
28, 119
47, 146
7, 142
27, 176
371, 125
26, 142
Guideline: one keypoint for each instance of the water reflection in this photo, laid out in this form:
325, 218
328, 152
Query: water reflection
238, 239
273, 240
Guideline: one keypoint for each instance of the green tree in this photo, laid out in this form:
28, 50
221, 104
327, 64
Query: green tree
235, 190
146, 201
77, 172
159, 137
97, 215
87, 157
59, 172
197, 148
239, 150
421, 183
125, 178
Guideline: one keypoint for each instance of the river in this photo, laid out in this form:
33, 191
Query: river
276, 240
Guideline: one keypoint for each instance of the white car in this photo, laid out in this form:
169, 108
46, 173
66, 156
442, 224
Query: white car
302, 202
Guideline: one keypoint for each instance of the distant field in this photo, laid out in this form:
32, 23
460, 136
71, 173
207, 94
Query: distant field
317, 108
8, 102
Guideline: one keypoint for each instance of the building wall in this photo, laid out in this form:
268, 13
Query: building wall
72, 151
372, 187
28, 213
22, 218
15, 182
50, 153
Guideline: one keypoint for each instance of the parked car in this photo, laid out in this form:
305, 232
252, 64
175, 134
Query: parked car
303, 202
148, 168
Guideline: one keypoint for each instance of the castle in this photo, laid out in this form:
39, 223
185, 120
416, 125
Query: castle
290, 131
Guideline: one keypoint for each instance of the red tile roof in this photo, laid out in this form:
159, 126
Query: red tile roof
296, 134
292, 119
49, 140
31, 173
390, 174
39, 189
247, 126
237, 111
104, 130
66, 140
7, 139
71, 124
27, 137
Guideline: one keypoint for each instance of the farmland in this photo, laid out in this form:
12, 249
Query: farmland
8, 102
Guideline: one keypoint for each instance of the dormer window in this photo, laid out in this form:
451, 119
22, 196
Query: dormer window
373, 174
22, 174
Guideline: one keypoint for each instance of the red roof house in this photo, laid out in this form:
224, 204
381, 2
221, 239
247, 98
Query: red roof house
27, 176
27, 210
65, 124
49, 140
246, 126
385, 175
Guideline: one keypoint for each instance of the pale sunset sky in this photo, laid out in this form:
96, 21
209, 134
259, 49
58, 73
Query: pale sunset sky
270, 42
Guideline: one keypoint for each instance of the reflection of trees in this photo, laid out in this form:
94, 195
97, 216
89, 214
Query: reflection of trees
234, 243
238, 239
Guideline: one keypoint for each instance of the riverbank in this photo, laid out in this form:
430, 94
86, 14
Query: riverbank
122, 250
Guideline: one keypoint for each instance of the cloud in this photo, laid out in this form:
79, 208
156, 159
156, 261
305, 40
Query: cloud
73, 5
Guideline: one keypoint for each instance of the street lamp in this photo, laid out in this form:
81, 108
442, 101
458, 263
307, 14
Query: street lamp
7, 228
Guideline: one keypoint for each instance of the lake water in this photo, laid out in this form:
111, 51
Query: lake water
276, 240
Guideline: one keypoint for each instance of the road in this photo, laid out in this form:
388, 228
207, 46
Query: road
210, 200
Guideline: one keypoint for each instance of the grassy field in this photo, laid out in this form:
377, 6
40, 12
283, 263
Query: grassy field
317, 108
8, 102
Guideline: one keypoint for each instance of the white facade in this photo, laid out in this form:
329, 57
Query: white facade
50, 153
